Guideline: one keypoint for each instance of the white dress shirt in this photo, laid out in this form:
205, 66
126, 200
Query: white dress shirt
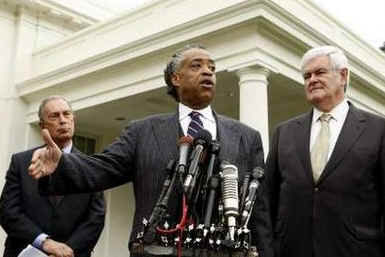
338, 114
67, 148
206, 117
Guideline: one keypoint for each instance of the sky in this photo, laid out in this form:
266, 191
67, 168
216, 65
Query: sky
364, 18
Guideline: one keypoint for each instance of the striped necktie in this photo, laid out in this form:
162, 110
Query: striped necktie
195, 125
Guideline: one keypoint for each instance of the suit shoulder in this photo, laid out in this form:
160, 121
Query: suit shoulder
297, 119
236, 123
369, 115
149, 119
25, 153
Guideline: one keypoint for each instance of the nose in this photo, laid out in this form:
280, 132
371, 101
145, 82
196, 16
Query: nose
62, 118
313, 78
207, 70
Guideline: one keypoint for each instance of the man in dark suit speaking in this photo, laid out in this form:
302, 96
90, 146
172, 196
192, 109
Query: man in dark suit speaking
61, 226
142, 151
325, 173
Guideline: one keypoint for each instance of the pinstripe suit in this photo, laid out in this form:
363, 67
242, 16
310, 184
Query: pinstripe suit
141, 154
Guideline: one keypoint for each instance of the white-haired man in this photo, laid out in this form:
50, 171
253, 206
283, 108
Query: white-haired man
325, 172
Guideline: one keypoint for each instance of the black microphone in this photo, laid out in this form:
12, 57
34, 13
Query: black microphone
201, 141
159, 211
213, 185
184, 150
230, 196
257, 175
214, 151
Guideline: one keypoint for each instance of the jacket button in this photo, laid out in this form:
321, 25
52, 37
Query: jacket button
316, 189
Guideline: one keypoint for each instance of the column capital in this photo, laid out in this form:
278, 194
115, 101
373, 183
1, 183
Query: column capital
259, 74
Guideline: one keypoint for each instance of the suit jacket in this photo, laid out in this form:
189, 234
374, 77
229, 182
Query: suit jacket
340, 215
76, 220
141, 154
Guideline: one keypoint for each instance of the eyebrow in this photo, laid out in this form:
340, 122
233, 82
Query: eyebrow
201, 59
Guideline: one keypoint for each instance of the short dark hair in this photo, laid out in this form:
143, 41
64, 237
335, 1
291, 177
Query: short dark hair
173, 66
48, 99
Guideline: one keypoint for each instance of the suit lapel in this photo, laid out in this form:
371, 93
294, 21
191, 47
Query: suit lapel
56, 200
229, 137
352, 129
302, 141
166, 131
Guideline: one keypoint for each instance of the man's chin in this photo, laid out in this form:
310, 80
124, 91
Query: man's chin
315, 96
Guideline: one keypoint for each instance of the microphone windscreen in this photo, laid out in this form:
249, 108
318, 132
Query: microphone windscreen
204, 135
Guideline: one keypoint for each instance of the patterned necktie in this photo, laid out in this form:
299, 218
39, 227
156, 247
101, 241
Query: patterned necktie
320, 150
195, 124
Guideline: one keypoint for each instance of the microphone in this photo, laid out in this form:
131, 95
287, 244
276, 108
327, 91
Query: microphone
214, 151
159, 211
257, 175
230, 195
213, 185
202, 139
184, 150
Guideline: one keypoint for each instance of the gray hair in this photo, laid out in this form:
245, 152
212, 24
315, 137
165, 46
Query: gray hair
48, 99
336, 57
173, 66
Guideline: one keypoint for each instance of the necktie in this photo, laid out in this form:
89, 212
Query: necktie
195, 124
319, 152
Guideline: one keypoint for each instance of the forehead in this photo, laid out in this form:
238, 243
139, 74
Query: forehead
197, 54
56, 105
317, 63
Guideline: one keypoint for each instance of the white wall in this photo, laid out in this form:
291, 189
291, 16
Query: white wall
22, 32
120, 212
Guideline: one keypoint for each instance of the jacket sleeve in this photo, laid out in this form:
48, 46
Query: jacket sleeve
111, 168
12, 217
260, 224
86, 235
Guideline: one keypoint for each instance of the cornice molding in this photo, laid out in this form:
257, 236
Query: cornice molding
278, 18
53, 11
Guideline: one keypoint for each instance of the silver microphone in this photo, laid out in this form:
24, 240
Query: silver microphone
230, 196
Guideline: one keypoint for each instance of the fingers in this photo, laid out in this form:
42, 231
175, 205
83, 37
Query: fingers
47, 138
35, 167
57, 249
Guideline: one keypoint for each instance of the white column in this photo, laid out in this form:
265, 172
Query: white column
253, 102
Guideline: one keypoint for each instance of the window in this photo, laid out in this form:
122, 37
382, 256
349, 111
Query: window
85, 144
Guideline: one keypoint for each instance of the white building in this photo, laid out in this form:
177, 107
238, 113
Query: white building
112, 71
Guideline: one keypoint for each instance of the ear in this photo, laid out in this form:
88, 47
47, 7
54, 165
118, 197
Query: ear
175, 79
41, 124
344, 76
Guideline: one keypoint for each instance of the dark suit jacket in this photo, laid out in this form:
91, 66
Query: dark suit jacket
76, 220
340, 215
141, 154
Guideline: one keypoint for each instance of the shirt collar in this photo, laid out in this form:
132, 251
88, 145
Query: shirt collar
184, 111
338, 113
67, 148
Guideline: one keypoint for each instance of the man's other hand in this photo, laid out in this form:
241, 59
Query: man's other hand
57, 249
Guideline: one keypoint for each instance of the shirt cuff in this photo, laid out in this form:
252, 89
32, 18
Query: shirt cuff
38, 242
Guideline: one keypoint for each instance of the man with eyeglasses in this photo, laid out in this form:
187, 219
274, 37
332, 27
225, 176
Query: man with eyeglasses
325, 170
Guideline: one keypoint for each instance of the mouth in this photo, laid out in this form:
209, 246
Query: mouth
312, 89
63, 130
207, 83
